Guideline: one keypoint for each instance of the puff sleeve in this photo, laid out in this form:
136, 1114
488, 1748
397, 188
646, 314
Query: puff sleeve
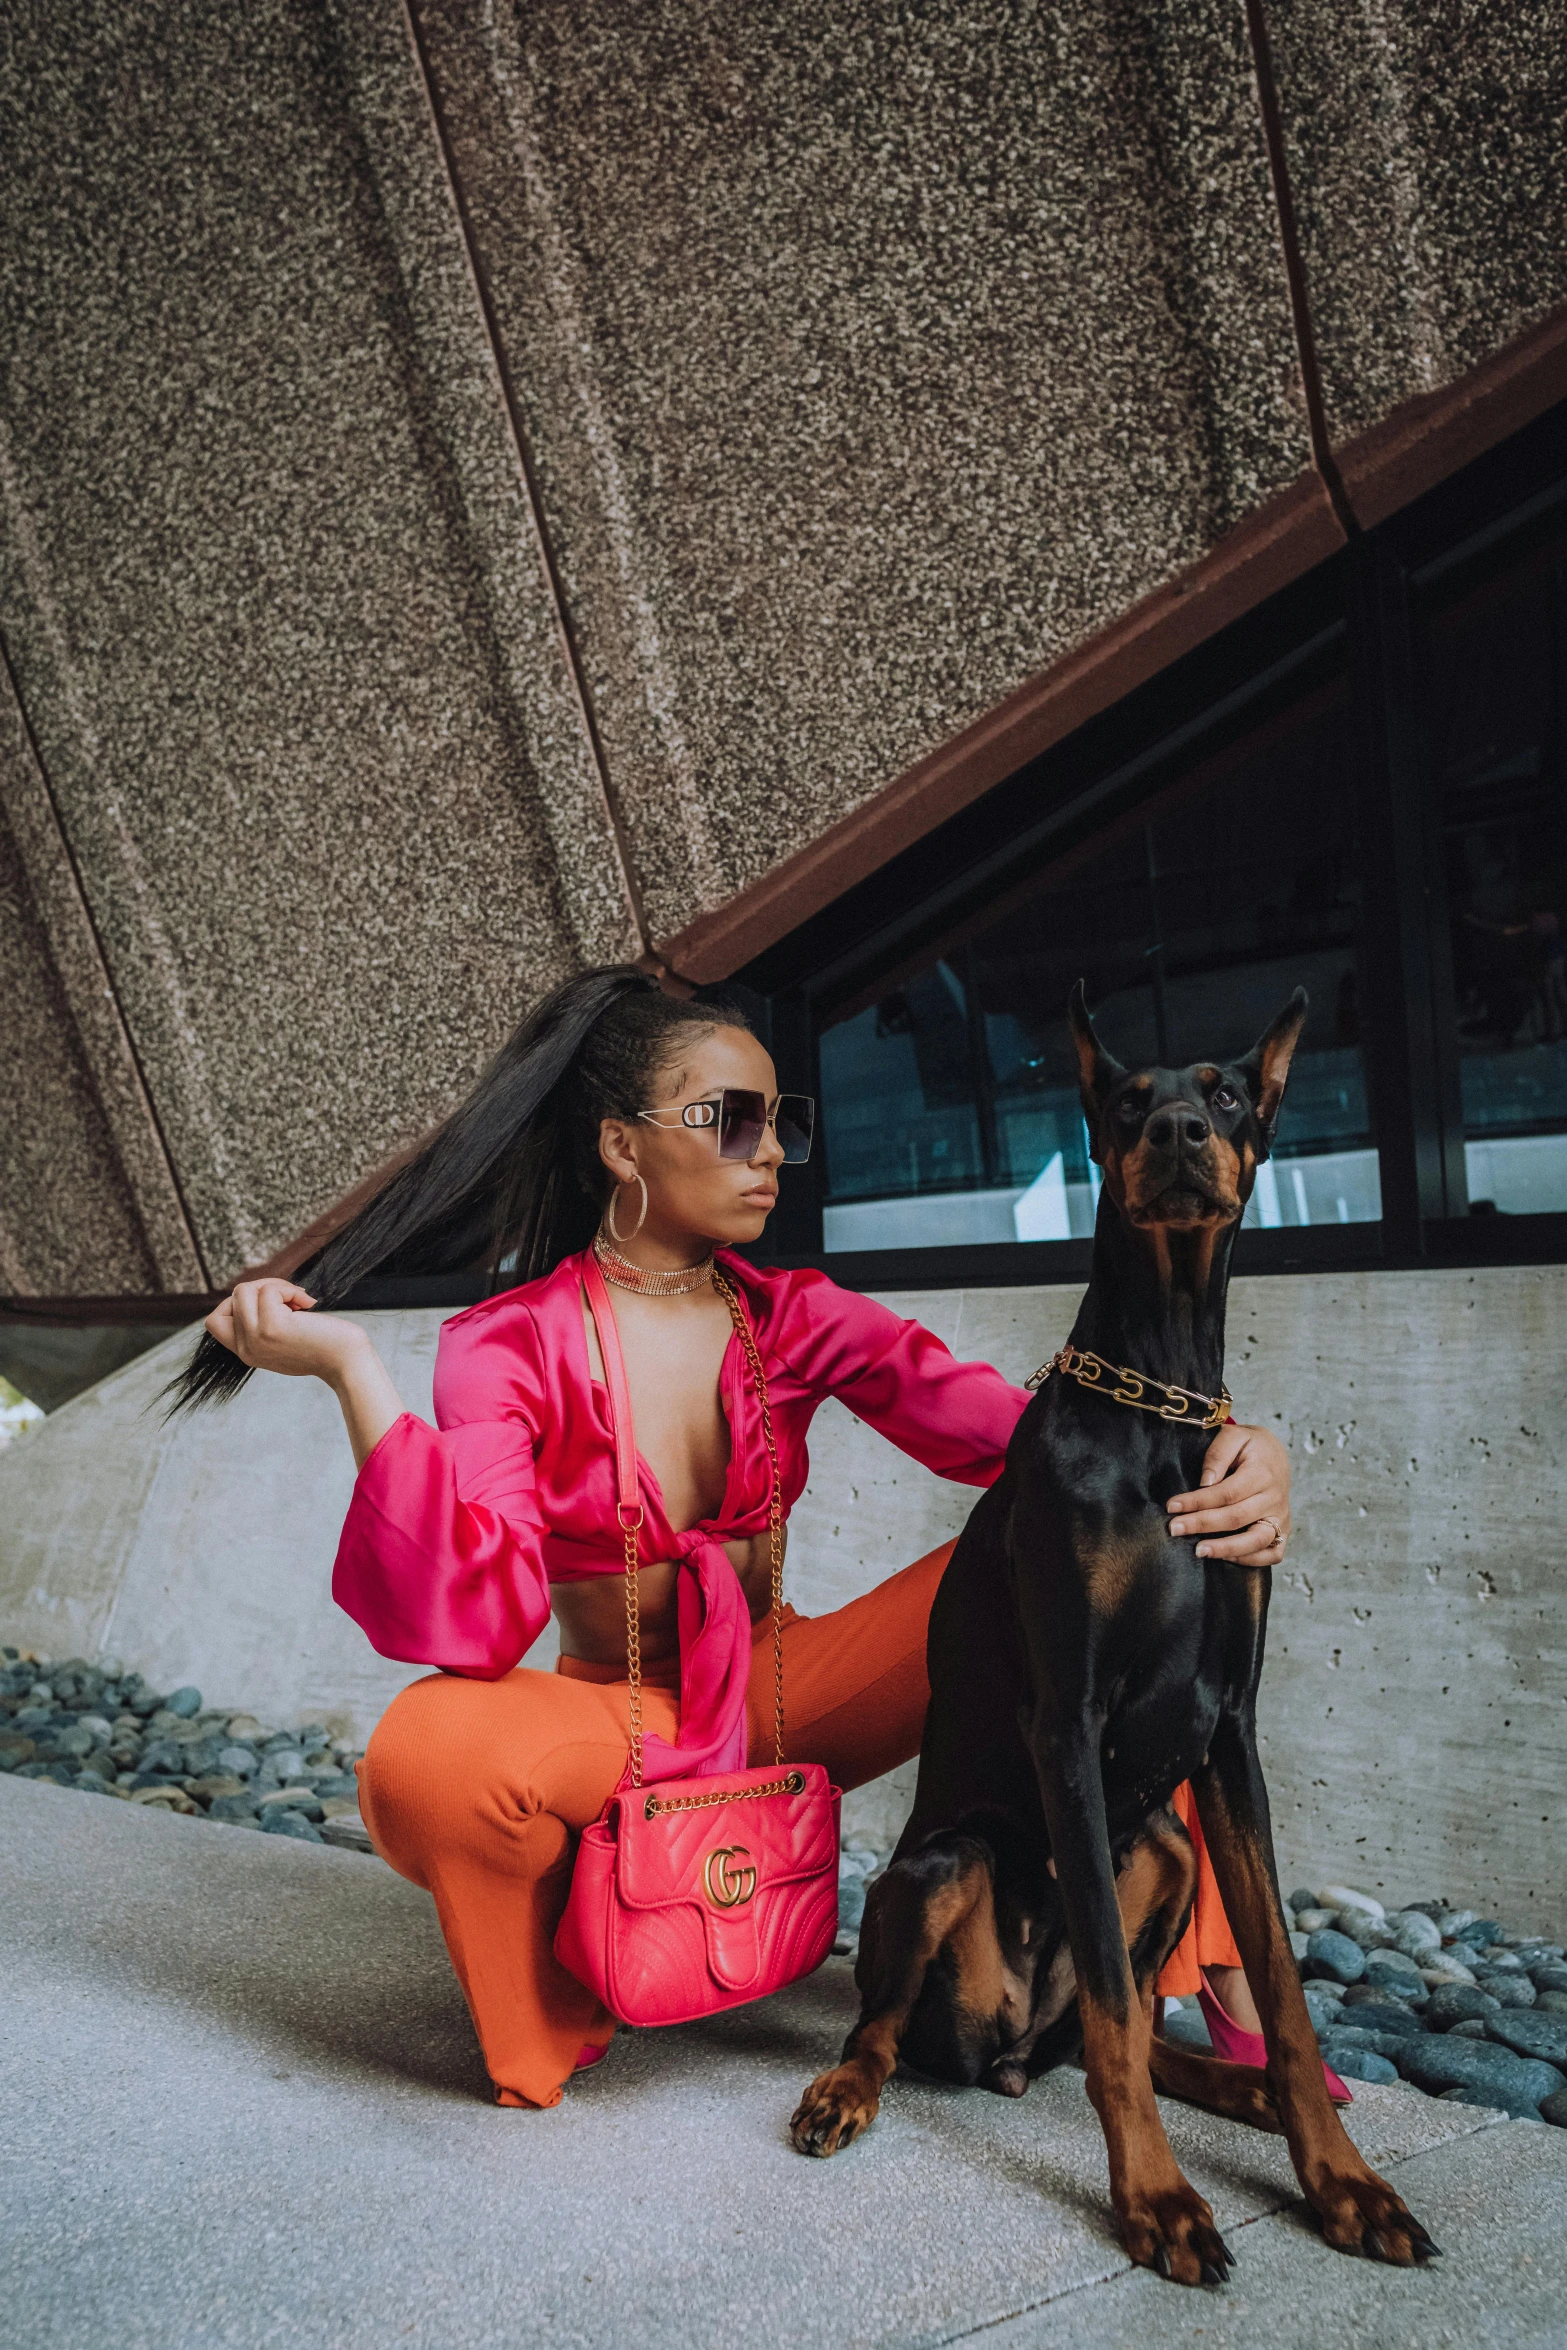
440, 1560
955, 1418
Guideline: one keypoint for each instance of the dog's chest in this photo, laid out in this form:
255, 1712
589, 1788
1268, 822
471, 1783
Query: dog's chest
1155, 1665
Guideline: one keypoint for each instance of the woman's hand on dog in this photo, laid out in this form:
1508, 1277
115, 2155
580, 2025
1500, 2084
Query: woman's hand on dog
1244, 1499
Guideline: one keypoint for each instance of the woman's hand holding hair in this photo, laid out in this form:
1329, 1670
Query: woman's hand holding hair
1250, 1510
263, 1323
271, 1325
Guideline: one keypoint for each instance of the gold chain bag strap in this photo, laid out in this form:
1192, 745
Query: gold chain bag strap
721, 1887
656, 1804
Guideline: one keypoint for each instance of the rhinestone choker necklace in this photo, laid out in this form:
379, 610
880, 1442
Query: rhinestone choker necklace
621, 1273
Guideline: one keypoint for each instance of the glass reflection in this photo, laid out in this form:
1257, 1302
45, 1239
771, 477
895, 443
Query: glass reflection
950, 1103
1497, 674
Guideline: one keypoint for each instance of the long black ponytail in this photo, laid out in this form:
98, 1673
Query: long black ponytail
513, 1180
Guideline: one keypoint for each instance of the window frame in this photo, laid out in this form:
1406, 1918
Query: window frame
1359, 616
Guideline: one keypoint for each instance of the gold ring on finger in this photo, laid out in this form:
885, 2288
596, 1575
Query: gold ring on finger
1273, 1530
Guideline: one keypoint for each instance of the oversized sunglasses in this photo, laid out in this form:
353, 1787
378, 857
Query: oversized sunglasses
742, 1118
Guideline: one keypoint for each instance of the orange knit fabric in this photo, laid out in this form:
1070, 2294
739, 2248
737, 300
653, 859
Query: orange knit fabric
476, 1790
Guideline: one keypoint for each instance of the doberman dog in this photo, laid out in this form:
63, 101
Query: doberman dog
1082, 1664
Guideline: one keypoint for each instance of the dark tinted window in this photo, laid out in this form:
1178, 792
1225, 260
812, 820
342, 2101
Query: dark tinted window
1496, 670
950, 1102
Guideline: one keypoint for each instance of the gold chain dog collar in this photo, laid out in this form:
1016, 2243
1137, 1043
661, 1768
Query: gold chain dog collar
1143, 1394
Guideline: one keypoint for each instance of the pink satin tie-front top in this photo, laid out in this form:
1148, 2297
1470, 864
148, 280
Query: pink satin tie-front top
455, 1533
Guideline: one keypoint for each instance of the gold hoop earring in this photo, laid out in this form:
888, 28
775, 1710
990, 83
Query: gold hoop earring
615, 1232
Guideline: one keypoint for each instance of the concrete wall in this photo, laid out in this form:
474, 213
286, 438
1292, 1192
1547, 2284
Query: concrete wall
1415, 1703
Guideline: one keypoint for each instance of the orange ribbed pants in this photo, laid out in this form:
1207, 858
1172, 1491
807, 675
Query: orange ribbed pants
477, 1790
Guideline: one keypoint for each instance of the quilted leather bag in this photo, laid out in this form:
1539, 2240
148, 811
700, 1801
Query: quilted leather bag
699, 1894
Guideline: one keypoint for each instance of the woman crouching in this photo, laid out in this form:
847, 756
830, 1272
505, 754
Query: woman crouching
650, 1131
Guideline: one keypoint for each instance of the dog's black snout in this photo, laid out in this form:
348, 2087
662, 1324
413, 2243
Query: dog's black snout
1180, 1123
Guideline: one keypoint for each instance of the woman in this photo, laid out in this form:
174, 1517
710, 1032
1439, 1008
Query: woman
647, 1128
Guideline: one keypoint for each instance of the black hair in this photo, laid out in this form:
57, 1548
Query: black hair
513, 1180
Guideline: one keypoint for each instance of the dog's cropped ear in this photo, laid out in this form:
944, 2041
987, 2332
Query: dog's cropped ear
1267, 1065
1097, 1072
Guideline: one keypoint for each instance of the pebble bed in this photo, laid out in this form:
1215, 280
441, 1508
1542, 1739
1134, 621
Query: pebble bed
103, 1731
1431, 1994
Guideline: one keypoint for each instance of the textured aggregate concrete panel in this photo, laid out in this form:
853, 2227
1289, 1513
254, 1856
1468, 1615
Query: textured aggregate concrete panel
1428, 161
77, 1226
874, 362
872, 359
300, 2152
1415, 1693
272, 593
89, 1199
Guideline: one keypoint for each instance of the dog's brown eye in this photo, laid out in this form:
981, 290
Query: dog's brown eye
1226, 1098
1131, 1110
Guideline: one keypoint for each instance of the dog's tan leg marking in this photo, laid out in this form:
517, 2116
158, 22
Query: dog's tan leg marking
1359, 2211
1165, 2224
974, 1946
1167, 1865
1154, 1895
1238, 2092
909, 1924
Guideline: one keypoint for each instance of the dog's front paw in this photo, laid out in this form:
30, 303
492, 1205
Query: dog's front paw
835, 2109
1360, 2213
1171, 2231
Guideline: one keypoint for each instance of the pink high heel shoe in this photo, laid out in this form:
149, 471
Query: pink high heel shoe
588, 2056
1238, 2047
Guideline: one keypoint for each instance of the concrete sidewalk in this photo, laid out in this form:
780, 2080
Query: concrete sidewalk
243, 2107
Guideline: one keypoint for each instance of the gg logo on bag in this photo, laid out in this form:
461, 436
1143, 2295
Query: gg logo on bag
728, 1876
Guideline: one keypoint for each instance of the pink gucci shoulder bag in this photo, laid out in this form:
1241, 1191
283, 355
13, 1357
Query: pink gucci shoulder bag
699, 1894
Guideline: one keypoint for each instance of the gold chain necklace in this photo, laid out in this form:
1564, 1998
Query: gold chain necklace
623, 1274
